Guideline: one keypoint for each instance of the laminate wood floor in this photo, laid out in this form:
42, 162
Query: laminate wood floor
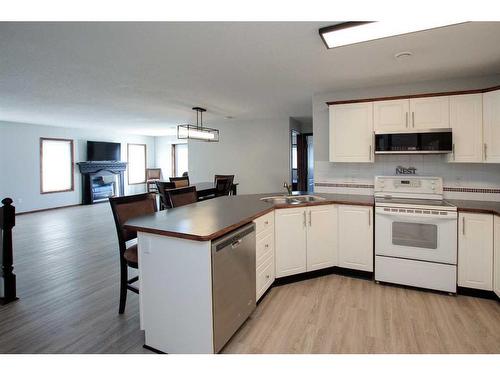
66, 262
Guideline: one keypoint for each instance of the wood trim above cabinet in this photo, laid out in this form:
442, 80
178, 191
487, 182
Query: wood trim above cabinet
427, 95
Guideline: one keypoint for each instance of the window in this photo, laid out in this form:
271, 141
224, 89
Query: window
179, 159
56, 165
136, 157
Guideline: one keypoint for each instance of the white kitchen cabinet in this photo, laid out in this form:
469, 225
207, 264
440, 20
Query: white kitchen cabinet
475, 250
466, 121
491, 126
429, 113
496, 255
321, 237
290, 230
264, 253
391, 115
355, 237
351, 133
306, 239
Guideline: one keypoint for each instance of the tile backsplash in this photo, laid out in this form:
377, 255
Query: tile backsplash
479, 181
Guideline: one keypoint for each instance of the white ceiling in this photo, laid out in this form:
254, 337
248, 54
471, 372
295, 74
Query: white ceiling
145, 77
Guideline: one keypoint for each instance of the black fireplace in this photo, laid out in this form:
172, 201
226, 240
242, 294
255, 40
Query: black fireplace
101, 180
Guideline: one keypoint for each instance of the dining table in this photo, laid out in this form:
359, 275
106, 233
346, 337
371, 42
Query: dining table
207, 188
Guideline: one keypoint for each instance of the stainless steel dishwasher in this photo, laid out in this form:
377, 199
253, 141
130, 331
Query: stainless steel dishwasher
233, 282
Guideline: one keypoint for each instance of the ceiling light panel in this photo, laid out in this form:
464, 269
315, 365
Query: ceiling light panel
357, 32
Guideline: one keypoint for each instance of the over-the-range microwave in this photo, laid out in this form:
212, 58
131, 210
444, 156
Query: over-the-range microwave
432, 141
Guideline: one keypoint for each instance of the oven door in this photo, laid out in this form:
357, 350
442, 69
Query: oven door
421, 236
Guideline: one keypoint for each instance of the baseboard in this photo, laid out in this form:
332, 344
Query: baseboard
153, 349
323, 272
46, 209
471, 292
411, 287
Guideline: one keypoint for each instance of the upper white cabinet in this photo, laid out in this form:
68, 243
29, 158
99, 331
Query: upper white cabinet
496, 256
491, 126
466, 121
475, 250
355, 237
391, 115
351, 133
430, 113
305, 239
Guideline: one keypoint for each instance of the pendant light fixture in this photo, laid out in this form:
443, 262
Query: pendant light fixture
198, 131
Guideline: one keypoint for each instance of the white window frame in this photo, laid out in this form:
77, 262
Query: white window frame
72, 161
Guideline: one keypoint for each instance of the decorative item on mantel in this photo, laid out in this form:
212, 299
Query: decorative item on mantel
198, 131
7, 276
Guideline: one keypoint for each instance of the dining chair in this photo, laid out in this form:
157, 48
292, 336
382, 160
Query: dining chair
126, 208
180, 181
162, 187
152, 175
182, 196
223, 184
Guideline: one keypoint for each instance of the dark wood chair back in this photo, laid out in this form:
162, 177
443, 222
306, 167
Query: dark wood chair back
223, 184
128, 207
182, 196
180, 181
162, 187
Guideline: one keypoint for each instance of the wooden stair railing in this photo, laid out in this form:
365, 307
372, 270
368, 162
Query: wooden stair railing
7, 277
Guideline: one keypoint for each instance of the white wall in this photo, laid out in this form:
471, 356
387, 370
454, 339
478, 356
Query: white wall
257, 152
163, 154
454, 175
20, 162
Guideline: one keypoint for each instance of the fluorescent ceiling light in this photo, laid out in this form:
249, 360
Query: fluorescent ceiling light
356, 32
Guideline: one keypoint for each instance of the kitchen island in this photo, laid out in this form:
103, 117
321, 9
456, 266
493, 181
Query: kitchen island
176, 269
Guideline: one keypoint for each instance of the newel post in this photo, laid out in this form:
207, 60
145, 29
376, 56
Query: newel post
7, 277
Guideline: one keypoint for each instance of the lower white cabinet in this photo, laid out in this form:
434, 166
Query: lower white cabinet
355, 237
291, 237
264, 253
496, 255
475, 250
305, 239
321, 237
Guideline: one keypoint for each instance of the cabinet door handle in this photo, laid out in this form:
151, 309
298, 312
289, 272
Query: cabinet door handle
370, 152
463, 225
453, 150
310, 218
485, 146
304, 214
369, 218
413, 118
406, 119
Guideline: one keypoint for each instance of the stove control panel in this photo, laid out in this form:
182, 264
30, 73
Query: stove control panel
410, 187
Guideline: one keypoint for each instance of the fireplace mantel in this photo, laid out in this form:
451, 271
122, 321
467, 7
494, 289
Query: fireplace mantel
96, 166
91, 169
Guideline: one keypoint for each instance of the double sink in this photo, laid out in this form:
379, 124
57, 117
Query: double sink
292, 199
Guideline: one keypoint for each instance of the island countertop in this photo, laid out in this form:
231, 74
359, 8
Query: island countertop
207, 220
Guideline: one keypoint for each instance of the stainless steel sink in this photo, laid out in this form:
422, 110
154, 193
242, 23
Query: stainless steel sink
292, 199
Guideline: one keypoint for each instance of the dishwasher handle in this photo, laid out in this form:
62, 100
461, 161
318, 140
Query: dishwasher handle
234, 238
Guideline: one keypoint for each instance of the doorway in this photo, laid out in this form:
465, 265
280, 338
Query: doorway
302, 161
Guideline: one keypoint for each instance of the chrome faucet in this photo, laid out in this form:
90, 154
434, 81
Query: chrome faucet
288, 187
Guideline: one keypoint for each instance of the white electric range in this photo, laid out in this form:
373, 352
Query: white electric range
415, 233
